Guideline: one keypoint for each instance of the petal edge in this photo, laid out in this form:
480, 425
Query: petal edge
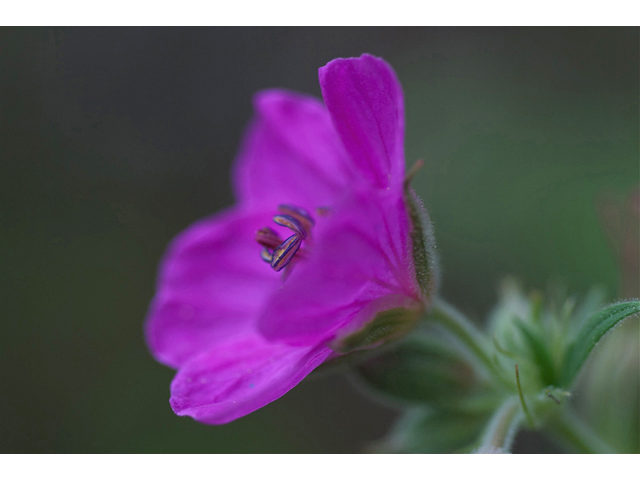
239, 377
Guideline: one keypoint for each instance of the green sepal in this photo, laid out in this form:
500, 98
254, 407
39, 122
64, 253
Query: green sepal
418, 370
422, 240
589, 335
387, 325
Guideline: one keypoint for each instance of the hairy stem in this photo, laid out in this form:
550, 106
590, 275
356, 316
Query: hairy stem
502, 428
466, 333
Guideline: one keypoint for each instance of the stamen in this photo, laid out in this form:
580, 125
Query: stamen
299, 214
266, 255
291, 223
285, 252
277, 253
323, 211
268, 238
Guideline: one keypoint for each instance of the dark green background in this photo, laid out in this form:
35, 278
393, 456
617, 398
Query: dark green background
114, 140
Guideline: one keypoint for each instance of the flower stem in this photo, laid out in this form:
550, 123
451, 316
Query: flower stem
572, 432
465, 332
502, 428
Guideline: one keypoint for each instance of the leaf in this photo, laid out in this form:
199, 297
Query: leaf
586, 309
541, 356
589, 335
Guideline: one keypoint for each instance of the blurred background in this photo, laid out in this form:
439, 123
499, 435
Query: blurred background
114, 140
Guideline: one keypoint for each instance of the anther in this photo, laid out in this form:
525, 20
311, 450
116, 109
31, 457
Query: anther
268, 238
285, 252
277, 253
299, 214
323, 211
266, 255
291, 223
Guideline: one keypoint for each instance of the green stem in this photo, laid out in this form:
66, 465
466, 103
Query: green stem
572, 432
502, 428
466, 333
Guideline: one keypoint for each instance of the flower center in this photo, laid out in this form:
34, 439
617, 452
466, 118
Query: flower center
280, 253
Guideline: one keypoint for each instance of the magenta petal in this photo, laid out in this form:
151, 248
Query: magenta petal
366, 104
291, 154
211, 286
238, 377
359, 256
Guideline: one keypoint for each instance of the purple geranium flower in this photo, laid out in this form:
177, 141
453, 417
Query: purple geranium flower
252, 299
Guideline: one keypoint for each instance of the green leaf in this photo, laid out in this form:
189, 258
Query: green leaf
592, 331
586, 309
540, 352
